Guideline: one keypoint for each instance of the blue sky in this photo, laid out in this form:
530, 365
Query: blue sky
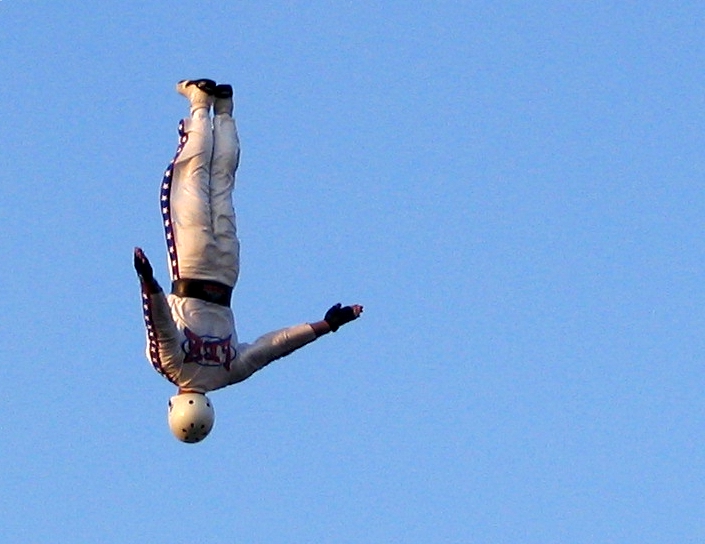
512, 189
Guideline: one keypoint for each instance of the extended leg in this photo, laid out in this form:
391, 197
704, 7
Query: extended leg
226, 156
185, 194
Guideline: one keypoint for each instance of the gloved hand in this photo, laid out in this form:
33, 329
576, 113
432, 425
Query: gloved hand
143, 266
340, 315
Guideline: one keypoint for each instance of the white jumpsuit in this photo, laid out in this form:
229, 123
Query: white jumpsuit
193, 342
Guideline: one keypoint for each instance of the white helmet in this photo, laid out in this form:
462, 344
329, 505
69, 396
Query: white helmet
191, 416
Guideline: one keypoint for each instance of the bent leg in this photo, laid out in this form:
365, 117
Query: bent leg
185, 201
226, 157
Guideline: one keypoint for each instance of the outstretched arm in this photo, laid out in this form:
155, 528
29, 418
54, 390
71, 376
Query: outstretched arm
162, 336
277, 344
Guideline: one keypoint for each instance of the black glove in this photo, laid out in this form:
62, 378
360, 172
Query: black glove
337, 316
143, 267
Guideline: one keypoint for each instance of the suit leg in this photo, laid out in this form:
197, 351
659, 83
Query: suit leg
185, 201
226, 157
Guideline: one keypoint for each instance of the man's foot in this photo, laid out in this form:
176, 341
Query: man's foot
198, 91
223, 100
223, 91
208, 86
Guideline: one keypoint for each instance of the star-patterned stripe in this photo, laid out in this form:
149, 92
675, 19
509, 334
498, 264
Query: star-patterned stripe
165, 200
152, 338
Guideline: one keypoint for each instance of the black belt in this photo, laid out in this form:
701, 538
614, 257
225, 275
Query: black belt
210, 291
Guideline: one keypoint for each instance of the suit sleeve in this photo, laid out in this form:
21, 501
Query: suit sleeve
270, 347
163, 343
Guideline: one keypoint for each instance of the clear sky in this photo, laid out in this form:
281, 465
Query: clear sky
514, 190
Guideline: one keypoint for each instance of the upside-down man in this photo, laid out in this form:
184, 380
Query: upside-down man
191, 337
